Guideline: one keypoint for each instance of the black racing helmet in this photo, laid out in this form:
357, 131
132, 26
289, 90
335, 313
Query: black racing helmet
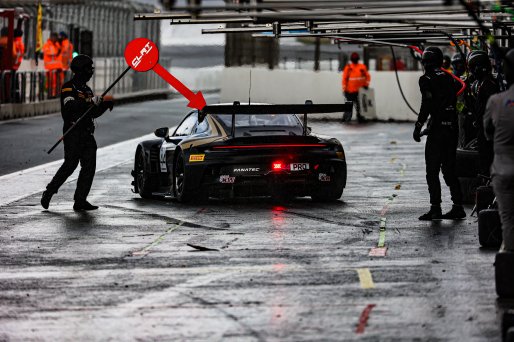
81, 63
458, 64
432, 56
478, 60
508, 67
457, 58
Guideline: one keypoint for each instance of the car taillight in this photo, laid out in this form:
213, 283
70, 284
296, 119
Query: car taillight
277, 166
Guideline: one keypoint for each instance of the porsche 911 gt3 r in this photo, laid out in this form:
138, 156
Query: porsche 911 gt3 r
242, 150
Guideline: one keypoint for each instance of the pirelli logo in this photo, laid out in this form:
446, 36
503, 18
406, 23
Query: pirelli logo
196, 158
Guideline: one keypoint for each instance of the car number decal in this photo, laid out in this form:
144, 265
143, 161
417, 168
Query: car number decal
196, 158
227, 179
162, 158
323, 177
299, 166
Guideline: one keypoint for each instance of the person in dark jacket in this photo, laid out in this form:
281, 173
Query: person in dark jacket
438, 100
499, 128
482, 88
79, 144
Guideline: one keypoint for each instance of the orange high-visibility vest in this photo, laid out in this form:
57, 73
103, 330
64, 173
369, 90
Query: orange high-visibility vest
3, 46
355, 76
52, 55
20, 52
66, 53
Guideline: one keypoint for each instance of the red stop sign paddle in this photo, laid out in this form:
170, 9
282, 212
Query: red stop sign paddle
142, 55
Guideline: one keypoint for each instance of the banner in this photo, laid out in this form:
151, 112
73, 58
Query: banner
39, 30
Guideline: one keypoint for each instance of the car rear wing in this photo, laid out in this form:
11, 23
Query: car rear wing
305, 109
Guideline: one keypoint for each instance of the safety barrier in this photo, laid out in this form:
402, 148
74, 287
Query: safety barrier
31, 86
37, 86
296, 86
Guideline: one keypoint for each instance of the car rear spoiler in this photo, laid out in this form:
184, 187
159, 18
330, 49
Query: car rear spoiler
307, 108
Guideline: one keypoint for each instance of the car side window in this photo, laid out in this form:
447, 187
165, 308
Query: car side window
201, 127
187, 125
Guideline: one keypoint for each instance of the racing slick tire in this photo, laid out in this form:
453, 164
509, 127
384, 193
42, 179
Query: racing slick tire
180, 183
467, 163
333, 190
489, 228
143, 182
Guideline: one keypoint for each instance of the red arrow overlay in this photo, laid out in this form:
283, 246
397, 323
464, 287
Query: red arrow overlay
195, 100
141, 54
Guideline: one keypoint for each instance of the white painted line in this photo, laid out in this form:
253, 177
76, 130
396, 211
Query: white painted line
20, 184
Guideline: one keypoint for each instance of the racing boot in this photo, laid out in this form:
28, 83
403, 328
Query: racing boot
361, 119
456, 213
45, 199
85, 205
434, 214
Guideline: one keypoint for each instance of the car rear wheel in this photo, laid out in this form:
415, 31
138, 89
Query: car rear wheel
143, 181
331, 191
181, 181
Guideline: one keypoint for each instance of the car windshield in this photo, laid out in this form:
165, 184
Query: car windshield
261, 120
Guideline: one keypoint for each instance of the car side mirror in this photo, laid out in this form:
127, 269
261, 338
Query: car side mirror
162, 132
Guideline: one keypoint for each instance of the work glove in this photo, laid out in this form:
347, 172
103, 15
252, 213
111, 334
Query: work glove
108, 102
417, 132
96, 100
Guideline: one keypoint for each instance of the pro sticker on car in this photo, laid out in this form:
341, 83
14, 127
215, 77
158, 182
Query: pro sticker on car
299, 166
196, 158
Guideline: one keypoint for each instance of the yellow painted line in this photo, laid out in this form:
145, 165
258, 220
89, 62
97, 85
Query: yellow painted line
365, 278
146, 250
402, 170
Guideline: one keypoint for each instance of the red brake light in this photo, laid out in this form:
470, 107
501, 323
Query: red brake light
277, 166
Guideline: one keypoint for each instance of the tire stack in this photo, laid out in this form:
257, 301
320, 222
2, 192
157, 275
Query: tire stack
489, 225
467, 166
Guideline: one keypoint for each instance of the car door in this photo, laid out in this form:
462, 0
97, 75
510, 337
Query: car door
183, 131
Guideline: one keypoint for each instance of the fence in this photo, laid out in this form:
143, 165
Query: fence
39, 86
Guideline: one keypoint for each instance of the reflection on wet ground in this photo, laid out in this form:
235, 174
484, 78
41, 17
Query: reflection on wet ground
135, 269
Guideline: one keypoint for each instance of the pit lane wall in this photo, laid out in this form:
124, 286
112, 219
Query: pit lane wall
296, 86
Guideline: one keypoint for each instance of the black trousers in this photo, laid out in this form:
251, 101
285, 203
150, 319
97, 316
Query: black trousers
504, 190
485, 153
77, 149
354, 97
440, 155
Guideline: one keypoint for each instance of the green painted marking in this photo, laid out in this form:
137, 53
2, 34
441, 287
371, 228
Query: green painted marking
158, 240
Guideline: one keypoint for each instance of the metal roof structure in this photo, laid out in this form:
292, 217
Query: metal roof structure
351, 21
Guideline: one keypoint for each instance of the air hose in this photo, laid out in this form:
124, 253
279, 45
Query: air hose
399, 84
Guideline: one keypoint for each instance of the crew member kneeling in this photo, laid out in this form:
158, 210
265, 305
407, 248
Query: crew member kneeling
79, 144
438, 99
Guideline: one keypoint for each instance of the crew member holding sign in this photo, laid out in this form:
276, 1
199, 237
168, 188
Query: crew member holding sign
79, 144
355, 76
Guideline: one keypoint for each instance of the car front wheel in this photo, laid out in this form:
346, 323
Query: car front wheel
142, 179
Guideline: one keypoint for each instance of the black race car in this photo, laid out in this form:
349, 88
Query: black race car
242, 150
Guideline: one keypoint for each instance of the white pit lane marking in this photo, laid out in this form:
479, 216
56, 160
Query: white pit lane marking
21, 184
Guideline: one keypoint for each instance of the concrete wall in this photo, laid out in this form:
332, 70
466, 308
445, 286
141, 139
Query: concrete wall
296, 86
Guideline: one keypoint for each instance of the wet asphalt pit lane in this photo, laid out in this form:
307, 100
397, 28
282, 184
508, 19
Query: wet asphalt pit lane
258, 270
